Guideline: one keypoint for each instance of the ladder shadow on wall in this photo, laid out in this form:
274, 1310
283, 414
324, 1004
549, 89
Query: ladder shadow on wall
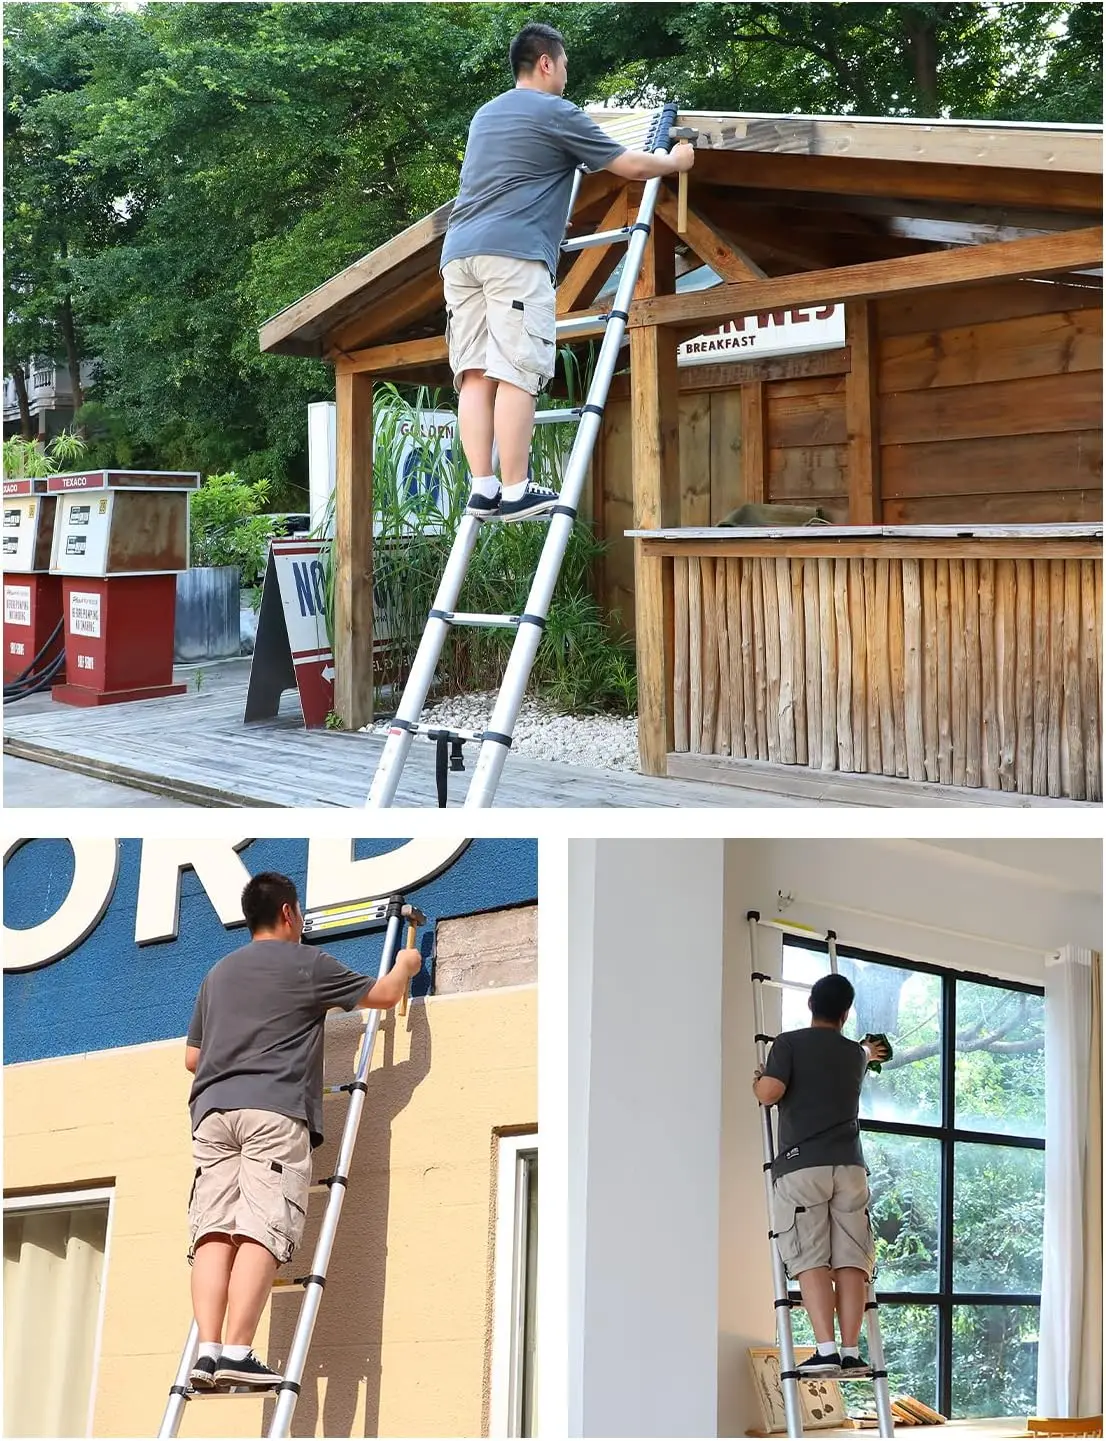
343, 1371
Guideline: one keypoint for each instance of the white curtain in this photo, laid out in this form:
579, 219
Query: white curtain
53, 1265
1069, 1374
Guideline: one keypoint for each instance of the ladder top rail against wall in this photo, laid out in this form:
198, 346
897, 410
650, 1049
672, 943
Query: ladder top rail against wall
496, 738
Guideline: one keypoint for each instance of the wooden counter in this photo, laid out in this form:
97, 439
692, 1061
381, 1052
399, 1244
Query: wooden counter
961, 655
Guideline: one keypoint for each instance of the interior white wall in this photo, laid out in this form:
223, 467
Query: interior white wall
994, 907
644, 1305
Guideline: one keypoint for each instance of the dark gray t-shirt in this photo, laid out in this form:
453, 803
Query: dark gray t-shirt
258, 1023
823, 1073
516, 179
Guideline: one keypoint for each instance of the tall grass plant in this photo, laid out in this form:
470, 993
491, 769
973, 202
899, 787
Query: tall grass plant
583, 665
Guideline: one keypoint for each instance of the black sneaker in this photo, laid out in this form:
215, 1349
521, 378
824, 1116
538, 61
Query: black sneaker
535, 500
202, 1376
854, 1367
248, 1372
819, 1365
483, 506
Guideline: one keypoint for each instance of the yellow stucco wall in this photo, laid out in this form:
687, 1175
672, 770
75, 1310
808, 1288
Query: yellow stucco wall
402, 1340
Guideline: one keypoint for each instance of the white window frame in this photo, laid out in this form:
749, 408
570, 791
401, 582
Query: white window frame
67, 1201
509, 1297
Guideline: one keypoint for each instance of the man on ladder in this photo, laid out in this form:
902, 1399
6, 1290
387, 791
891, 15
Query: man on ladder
820, 1183
255, 1047
499, 261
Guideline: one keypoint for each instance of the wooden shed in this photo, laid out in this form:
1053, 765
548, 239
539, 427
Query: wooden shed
946, 626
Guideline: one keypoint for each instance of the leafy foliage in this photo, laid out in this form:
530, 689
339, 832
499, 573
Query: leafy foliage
225, 526
178, 173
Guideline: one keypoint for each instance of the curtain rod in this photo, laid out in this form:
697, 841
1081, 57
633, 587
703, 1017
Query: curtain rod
786, 898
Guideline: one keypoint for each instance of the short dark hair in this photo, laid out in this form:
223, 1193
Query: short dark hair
531, 43
831, 998
264, 897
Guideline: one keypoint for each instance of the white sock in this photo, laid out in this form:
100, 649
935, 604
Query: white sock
235, 1353
515, 492
210, 1349
485, 485
853, 1351
827, 1348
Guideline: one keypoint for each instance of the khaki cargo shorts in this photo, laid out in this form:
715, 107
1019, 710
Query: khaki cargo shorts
253, 1176
501, 319
820, 1216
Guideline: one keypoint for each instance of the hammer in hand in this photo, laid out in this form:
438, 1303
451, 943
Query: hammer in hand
682, 132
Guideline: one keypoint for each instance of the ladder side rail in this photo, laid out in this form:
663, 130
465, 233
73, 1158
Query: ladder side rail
789, 1385
289, 1389
493, 751
423, 667
878, 1363
178, 1397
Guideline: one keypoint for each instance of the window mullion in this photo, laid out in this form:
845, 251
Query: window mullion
944, 1230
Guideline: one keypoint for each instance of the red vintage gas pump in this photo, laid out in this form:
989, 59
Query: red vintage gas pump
120, 537
32, 596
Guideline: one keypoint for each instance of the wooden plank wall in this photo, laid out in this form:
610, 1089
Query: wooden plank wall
969, 672
988, 409
990, 404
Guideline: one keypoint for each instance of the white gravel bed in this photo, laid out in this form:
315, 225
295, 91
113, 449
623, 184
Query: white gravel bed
543, 733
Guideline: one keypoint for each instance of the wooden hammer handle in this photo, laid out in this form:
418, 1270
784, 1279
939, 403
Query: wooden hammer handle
412, 937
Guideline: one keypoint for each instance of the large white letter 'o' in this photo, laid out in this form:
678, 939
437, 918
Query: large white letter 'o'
95, 870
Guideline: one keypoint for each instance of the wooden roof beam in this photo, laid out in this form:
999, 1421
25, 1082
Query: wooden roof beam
968, 265
421, 296
709, 244
591, 268
890, 178
416, 354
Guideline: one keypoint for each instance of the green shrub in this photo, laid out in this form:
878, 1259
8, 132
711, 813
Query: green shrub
225, 526
66, 452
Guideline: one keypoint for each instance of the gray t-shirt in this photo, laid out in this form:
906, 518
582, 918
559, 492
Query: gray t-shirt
818, 1114
516, 179
258, 1023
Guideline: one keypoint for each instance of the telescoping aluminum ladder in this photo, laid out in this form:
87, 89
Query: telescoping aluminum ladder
789, 1375
495, 741
323, 924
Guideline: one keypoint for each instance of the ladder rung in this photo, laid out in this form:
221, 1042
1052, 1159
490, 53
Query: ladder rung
318, 1188
239, 1393
558, 417
601, 237
288, 1283
476, 618
584, 325
423, 729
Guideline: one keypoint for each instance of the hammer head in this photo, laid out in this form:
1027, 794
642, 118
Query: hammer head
683, 132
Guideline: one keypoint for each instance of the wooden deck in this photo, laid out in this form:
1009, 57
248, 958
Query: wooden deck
194, 749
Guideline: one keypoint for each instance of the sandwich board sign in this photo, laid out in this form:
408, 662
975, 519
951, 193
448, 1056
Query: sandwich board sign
292, 646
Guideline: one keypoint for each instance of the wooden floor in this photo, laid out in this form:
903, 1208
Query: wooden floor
194, 748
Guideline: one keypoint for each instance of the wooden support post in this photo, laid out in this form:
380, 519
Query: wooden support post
754, 453
862, 416
353, 560
655, 466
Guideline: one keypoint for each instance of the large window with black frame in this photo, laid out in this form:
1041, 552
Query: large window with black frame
953, 1135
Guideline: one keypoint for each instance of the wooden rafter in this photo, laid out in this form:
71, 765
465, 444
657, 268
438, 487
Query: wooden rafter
709, 244
418, 297
968, 265
416, 354
591, 268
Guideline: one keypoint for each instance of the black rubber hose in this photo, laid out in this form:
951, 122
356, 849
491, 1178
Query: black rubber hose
35, 683
22, 676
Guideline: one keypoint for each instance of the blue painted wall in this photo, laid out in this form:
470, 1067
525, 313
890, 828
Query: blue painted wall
110, 992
